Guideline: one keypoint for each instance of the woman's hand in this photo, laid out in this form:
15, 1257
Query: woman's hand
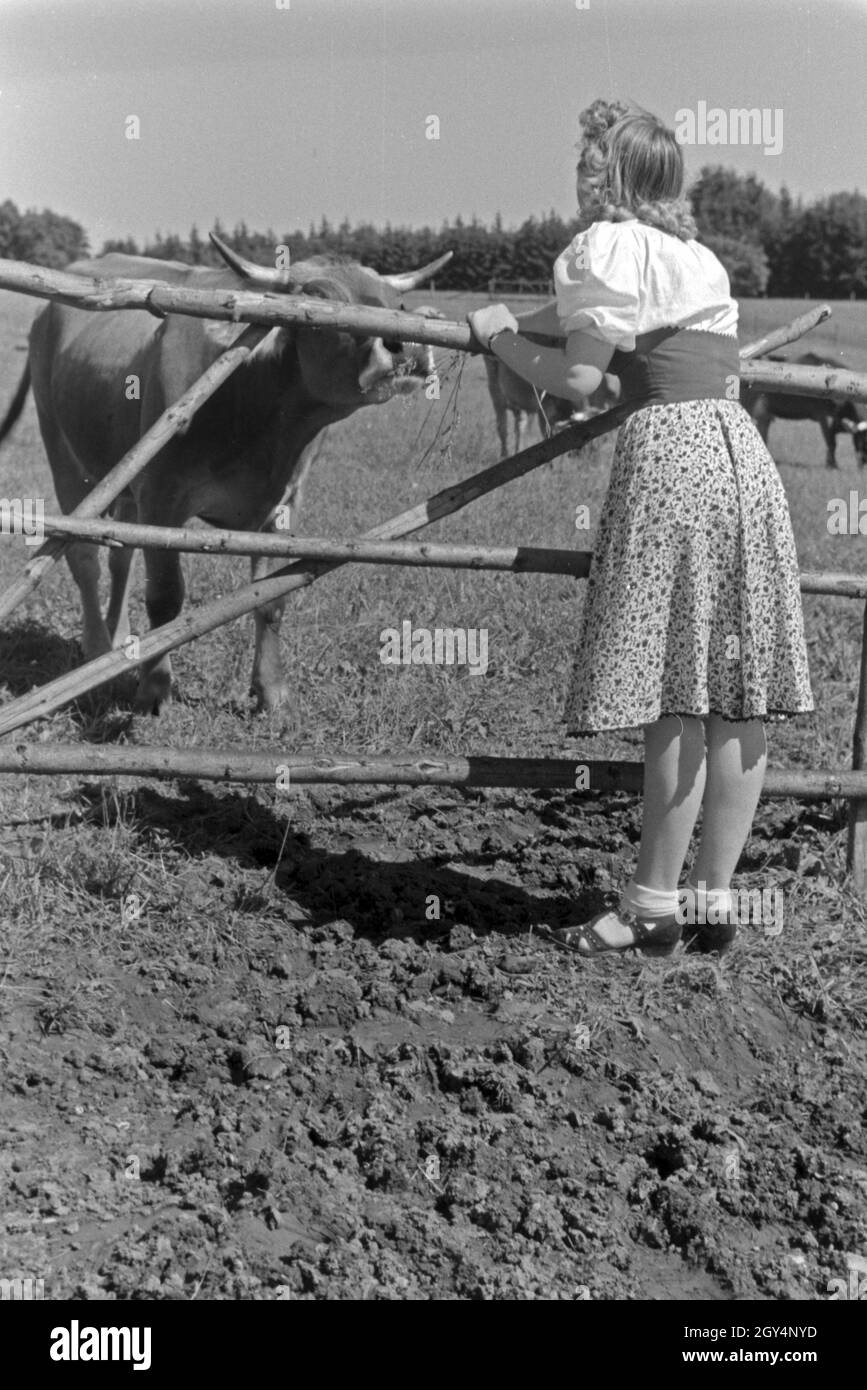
486, 322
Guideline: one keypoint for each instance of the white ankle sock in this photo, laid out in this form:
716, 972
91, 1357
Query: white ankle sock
707, 905
648, 902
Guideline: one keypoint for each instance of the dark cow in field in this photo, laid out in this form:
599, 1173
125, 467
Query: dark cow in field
245, 453
511, 394
832, 417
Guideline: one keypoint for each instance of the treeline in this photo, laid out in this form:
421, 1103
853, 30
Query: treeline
769, 243
44, 238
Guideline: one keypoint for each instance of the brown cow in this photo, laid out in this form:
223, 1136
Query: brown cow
242, 458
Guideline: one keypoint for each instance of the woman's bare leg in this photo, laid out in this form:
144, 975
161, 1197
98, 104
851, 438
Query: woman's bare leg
674, 782
736, 761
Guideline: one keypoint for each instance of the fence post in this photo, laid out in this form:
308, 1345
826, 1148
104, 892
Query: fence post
856, 847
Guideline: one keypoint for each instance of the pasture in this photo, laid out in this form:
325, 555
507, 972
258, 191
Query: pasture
244, 1056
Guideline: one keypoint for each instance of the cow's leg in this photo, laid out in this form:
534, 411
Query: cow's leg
826, 424
520, 429
503, 429
164, 598
121, 562
498, 401
83, 560
268, 682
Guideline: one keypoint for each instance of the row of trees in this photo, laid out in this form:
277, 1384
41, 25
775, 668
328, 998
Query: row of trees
772, 245
45, 238
769, 243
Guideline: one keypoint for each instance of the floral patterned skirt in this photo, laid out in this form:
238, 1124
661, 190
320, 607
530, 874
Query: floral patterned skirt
693, 604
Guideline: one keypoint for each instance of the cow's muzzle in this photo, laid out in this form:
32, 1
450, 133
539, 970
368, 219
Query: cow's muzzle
394, 368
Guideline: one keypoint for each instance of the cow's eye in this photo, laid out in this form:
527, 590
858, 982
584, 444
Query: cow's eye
393, 345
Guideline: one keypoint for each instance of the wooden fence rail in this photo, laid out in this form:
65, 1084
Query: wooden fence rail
516, 559
280, 310
411, 770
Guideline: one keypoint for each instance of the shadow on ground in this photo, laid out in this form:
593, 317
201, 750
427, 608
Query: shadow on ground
379, 896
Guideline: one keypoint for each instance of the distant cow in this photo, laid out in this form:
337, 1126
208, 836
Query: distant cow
241, 458
511, 394
832, 417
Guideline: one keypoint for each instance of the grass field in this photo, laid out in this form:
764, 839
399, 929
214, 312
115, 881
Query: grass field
148, 1030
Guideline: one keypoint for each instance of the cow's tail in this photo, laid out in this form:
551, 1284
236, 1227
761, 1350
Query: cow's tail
17, 404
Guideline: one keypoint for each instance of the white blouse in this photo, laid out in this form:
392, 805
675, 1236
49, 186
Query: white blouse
619, 279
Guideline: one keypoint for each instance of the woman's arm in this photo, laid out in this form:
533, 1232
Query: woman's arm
572, 372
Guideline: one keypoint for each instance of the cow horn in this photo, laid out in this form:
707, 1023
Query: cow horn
412, 278
861, 426
259, 274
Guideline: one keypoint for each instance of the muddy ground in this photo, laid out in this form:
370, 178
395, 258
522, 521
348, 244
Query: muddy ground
304, 1084
245, 1054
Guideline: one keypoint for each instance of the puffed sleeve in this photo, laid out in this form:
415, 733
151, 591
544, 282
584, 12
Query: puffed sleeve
597, 284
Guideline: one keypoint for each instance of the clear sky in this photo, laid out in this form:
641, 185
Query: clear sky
280, 111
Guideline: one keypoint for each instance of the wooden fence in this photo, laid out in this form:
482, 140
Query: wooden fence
311, 558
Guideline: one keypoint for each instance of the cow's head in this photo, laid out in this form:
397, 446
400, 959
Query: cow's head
338, 369
856, 425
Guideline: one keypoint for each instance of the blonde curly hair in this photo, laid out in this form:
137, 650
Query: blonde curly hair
631, 165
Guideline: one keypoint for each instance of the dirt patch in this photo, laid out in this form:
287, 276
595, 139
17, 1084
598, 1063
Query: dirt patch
334, 1060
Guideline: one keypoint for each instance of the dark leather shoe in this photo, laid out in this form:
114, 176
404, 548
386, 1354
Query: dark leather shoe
706, 938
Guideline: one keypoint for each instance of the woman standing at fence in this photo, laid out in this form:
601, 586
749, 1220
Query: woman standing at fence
692, 626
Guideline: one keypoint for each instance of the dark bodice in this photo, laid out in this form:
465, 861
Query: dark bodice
677, 364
